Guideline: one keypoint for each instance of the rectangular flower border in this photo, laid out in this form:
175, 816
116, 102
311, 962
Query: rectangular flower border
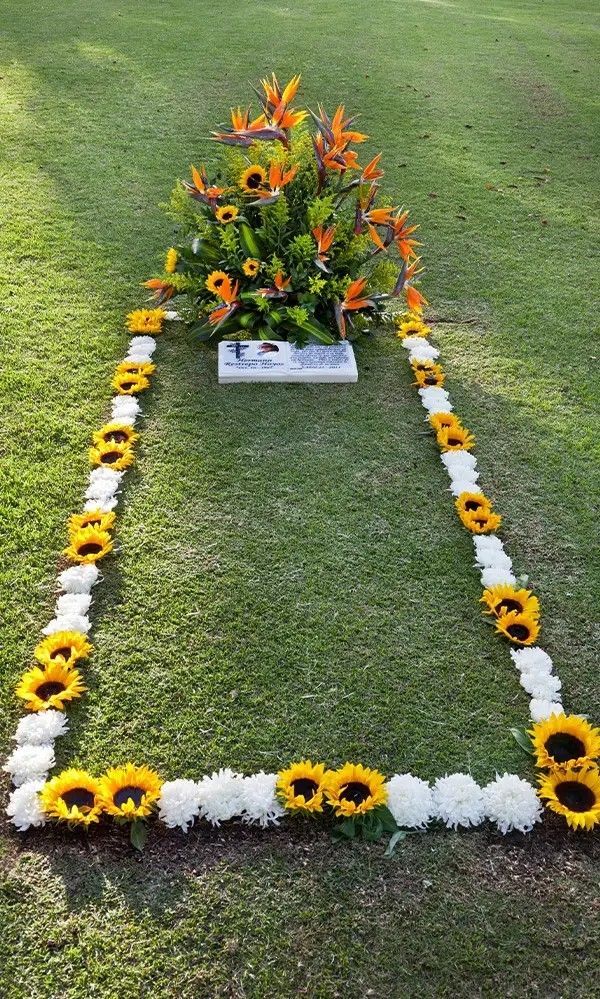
404, 802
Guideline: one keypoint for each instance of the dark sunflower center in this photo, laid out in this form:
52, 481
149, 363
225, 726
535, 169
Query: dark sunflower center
127, 385
253, 180
65, 652
79, 796
431, 380
507, 605
118, 436
218, 282
305, 786
473, 505
454, 441
46, 690
110, 456
355, 791
126, 793
575, 796
90, 548
518, 631
226, 216
563, 747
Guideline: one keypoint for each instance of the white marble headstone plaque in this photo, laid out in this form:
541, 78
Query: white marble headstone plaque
278, 361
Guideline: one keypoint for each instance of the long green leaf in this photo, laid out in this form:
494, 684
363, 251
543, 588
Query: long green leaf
520, 736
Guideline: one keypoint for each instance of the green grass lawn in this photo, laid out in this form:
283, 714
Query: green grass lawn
291, 576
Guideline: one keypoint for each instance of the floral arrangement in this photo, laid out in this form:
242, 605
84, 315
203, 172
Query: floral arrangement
290, 238
356, 800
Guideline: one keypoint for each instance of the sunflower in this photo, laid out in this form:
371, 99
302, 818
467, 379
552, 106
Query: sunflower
215, 280
503, 599
171, 260
136, 368
72, 797
411, 326
64, 647
427, 377
473, 503
129, 384
301, 786
520, 629
104, 521
354, 789
251, 267
425, 365
565, 740
145, 320
444, 421
227, 213
481, 521
129, 792
112, 455
50, 686
89, 544
115, 433
455, 439
253, 178
574, 794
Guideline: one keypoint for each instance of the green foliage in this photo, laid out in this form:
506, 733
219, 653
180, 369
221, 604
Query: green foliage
320, 211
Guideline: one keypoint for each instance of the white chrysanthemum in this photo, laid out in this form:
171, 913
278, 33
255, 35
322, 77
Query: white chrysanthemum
73, 603
532, 660
458, 801
423, 351
171, 316
540, 709
100, 496
459, 486
27, 763
496, 575
24, 809
124, 404
542, 686
138, 357
435, 399
459, 464
79, 578
107, 479
145, 344
220, 796
68, 622
258, 800
41, 728
488, 548
417, 343
104, 502
179, 803
410, 801
512, 803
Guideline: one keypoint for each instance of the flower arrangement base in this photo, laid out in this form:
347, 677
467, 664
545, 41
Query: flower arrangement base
279, 361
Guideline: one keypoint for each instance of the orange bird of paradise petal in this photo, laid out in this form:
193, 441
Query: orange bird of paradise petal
371, 171
354, 298
161, 290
